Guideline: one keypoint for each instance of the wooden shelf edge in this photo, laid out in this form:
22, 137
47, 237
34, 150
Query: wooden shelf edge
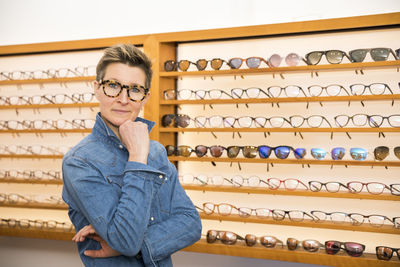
72, 105
325, 194
29, 181
36, 206
37, 233
47, 131
299, 255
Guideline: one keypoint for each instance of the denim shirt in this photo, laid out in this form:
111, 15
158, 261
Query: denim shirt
140, 210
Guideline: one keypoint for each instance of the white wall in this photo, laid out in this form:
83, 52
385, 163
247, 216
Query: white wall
29, 21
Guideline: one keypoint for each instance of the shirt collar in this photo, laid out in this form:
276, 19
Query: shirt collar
101, 126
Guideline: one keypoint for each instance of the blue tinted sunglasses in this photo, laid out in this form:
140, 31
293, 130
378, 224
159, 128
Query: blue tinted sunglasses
358, 153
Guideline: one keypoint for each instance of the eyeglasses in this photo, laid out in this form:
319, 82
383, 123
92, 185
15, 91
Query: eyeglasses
331, 187
309, 245
251, 62
178, 120
203, 179
377, 54
293, 215
252, 181
335, 217
225, 209
395, 189
226, 237
374, 89
186, 94
266, 241
331, 90
80, 71
30, 174
374, 219
372, 187
386, 253
290, 91
33, 150
362, 119
332, 56
14, 198
47, 124
281, 152
289, 184
136, 92
36, 224
252, 92
353, 249
314, 121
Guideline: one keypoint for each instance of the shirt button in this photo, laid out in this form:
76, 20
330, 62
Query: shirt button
160, 176
120, 146
152, 218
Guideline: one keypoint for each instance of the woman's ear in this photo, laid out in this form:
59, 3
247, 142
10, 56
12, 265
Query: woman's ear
144, 101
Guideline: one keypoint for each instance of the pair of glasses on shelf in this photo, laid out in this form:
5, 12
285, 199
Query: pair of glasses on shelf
48, 99
373, 121
47, 124
230, 238
375, 188
36, 224
33, 150
386, 253
356, 219
80, 71
13, 198
30, 174
337, 153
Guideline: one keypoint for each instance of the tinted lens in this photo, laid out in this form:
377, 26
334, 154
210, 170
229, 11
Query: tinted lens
380, 54
233, 151
332, 247
264, 151
268, 241
235, 63
299, 153
251, 240
216, 63
337, 153
282, 152
216, 151
397, 151
201, 64
311, 245
358, 153
211, 236
182, 120
358, 55
184, 151
170, 65
184, 65
292, 59
275, 60
228, 238
200, 150
170, 150
250, 151
313, 58
292, 243
334, 56
318, 153
167, 120
354, 249
384, 253
381, 152
253, 62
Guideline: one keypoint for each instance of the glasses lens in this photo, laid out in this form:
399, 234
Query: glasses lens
311, 245
380, 54
215, 93
253, 62
375, 188
384, 253
299, 153
313, 58
183, 65
397, 151
276, 122
375, 121
334, 56
358, 153
357, 89
200, 150
318, 153
338, 153
237, 93
264, 151
251, 240
184, 151
377, 88
170, 65
201, 64
228, 238
315, 186
169, 94
235, 63
111, 88
282, 152
245, 122
216, 63
250, 151
394, 120
332, 247
354, 249
216, 151
333, 90
182, 120
233, 151
137, 93
292, 59
315, 90
216, 121
381, 152
292, 91
268, 241
211, 236
170, 150
292, 243
184, 94
274, 91
166, 120
358, 55
224, 209
275, 60
200, 121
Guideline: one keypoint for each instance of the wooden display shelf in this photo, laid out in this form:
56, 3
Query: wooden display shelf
284, 70
27, 156
365, 227
282, 100
305, 193
37, 233
290, 161
30, 181
50, 80
72, 105
283, 254
47, 131
36, 205
291, 130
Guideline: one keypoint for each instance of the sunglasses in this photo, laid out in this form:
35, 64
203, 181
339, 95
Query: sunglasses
251, 62
281, 152
386, 253
266, 241
332, 56
381, 152
377, 54
309, 245
353, 249
178, 120
248, 151
184, 151
172, 65
215, 151
338, 153
331, 187
226, 237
